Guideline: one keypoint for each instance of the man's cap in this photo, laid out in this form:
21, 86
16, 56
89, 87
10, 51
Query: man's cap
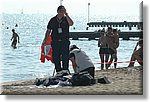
60, 7
73, 47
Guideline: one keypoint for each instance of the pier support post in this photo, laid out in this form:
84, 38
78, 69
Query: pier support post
75, 38
91, 38
126, 38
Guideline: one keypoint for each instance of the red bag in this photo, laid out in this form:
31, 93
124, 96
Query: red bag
46, 51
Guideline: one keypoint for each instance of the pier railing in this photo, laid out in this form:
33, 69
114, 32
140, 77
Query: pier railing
116, 24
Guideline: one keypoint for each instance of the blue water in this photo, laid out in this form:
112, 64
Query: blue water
24, 63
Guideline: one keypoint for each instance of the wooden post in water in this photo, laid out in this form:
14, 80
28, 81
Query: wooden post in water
88, 12
61, 2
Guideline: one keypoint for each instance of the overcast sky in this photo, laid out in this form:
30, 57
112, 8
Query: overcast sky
73, 6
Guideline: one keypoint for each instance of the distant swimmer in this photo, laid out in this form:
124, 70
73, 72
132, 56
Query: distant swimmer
14, 38
16, 25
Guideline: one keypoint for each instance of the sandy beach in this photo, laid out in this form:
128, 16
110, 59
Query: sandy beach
124, 81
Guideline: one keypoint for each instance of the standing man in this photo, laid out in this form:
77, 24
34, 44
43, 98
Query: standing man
115, 40
58, 27
14, 38
103, 48
109, 45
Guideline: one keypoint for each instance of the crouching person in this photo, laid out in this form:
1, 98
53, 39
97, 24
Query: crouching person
137, 54
80, 61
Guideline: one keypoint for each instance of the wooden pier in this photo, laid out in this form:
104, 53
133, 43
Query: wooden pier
125, 35
93, 35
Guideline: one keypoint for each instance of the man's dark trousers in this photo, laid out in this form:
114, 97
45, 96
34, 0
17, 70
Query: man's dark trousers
60, 52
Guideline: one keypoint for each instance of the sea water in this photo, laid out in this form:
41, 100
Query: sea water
24, 62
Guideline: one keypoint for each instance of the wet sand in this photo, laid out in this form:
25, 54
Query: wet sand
124, 81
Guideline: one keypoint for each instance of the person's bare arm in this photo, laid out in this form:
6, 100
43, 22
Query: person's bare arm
99, 42
116, 45
136, 47
74, 65
70, 21
46, 36
12, 37
18, 38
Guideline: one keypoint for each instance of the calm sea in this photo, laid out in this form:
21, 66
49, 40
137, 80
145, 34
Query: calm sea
24, 63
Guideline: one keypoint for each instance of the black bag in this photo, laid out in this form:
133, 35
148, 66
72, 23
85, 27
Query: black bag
103, 80
46, 81
39, 81
81, 79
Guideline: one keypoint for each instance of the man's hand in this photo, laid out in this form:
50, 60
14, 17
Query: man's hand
66, 14
74, 65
